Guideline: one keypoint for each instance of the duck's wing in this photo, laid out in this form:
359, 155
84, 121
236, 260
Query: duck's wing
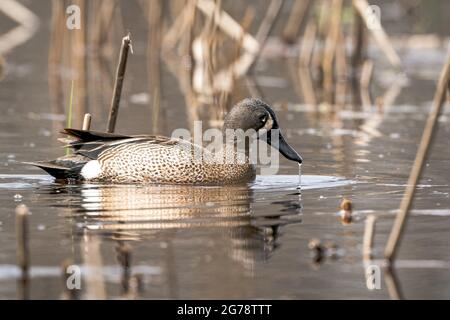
91, 144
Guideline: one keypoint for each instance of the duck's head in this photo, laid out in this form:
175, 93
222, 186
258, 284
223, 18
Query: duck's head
259, 116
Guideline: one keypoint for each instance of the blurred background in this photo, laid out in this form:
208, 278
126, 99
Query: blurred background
191, 63
351, 82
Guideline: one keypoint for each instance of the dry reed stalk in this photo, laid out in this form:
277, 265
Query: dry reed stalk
55, 51
90, 17
102, 24
23, 253
303, 77
389, 97
416, 171
341, 73
318, 52
202, 78
307, 45
180, 63
323, 17
176, 7
155, 21
377, 30
2, 67
118, 84
304, 60
87, 121
79, 63
358, 41
369, 232
102, 48
250, 82
265, 28
307, 86
22, 248
103, 17
292, 67
330, 50
366, 78
224, 79
186, 68
203, 49
225, 96
213, 37
229, 26
246, 22
178, 28
295, 20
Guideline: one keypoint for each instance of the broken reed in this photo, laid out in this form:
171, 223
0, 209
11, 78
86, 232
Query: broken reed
87, 121
118, 84
155, 20
22, 237
22, 248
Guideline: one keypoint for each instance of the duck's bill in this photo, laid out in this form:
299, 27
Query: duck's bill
287, 151
281, 145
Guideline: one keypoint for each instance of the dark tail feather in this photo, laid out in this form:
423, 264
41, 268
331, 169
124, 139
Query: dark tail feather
81, 137
58, 171
87, 135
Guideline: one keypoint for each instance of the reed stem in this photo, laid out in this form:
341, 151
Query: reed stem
378, 32
295, 20
23, 251
416, 171
70, 112
369, 233
22, 213
266, 27
118, 84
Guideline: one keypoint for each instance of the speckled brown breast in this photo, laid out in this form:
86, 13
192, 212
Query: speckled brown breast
179, 162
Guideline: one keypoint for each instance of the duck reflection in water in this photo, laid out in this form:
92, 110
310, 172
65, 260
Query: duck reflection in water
131, 212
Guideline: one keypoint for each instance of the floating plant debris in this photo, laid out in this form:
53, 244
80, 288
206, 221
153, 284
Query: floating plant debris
346, 211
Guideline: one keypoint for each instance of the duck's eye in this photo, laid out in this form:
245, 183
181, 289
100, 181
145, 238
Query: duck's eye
263, 118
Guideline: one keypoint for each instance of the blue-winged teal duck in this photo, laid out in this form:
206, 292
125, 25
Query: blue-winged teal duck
105, 157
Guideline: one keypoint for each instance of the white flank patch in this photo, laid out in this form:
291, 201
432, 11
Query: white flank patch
91, 170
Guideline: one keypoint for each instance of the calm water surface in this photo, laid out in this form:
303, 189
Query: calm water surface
247, 241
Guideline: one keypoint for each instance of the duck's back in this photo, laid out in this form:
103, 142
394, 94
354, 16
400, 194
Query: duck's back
146, 159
